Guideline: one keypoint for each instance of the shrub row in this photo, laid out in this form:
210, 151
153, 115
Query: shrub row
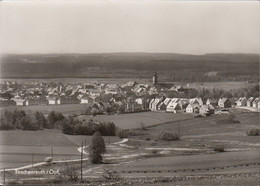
73, 126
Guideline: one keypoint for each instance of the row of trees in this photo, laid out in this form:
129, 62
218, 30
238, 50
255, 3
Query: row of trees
74, 126
18, 119
235, 93
217, 93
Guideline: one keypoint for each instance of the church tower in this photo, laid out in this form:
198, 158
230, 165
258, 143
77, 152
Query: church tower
155, 78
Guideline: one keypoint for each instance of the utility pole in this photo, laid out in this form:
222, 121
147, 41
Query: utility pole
52, 152
179, 131
32, 160
4, 176
81, 159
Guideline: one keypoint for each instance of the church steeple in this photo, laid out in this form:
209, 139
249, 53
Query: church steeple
155, 78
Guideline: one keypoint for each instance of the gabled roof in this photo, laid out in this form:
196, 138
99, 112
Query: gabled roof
223, 100
167, 101
172, 105
251, 99
194, 105
241, 99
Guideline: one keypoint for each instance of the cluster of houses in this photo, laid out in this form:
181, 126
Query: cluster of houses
131, 95
175, 105
43, 93
250, 102
195, 105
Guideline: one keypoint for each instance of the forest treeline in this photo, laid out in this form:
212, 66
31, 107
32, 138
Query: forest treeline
172, 67
19, 119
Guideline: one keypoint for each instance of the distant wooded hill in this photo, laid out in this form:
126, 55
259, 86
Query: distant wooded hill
171, 67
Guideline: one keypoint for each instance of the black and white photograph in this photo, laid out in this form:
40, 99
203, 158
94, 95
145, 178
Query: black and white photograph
121, 92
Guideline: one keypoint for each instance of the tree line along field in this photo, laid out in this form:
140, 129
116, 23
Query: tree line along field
173, 67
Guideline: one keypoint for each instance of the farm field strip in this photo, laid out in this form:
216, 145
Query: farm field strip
114, 151
209, 170
66, 109
131, 121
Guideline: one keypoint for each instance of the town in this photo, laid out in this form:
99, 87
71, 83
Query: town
110, 98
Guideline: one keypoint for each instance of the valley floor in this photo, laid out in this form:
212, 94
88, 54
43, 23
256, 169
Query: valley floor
143, 159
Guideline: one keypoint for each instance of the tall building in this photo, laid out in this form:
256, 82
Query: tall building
155, 78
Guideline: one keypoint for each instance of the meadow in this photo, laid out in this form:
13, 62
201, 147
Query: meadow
18, 148
69, 109
146, 156
136, 120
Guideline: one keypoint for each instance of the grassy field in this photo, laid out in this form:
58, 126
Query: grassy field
229, 85
131, 121
193, 154
18, 147
68, 109
192, 162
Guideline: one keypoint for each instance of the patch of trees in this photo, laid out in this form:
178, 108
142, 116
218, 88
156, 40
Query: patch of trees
253, 132
252, 91
74, 126
235, 93
168, 136
18, 119
96, 148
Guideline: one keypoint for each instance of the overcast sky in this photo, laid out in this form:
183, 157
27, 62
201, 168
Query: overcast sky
154, 26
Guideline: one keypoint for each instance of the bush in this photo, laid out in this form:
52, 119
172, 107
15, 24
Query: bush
70, 172
253, 132
231, 119
219, 149
122, 133
168, 136
154, 151
111, 175
142, 126
67, 128
148, 139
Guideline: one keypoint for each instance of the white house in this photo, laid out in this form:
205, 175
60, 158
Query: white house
224, 103
151, 104
173, 106
255, 102
212, 102
249, 102
139, 101
183, 103
192, 108
196, 101
20, 102
156, 103
206, 109
53, 101
241, 102
84, 100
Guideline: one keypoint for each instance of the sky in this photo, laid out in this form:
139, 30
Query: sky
126, 26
